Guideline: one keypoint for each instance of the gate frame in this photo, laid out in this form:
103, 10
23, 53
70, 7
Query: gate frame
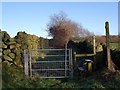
67, 53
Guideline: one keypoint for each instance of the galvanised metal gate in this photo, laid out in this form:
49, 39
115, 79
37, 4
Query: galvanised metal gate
49, 63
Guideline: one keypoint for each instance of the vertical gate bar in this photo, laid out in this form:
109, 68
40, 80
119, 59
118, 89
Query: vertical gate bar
25, 63
30, 63
71, 61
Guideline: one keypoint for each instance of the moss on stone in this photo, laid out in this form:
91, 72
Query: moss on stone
7, 58
3, 45
12, 55
5, 52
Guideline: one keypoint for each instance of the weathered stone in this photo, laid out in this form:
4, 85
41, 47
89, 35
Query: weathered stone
5, 36
12, 40
0, 53
5, 52
12, 55
3, 45
12, 46
10, 43
7, 58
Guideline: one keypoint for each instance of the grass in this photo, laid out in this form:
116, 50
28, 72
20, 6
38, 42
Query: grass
115, 46
13, 77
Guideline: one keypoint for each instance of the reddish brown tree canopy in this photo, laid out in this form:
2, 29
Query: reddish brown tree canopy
62, 29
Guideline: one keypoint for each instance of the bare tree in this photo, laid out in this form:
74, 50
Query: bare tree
61, 29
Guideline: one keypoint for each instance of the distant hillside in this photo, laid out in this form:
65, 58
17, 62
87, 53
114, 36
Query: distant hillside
113, 39
99, 39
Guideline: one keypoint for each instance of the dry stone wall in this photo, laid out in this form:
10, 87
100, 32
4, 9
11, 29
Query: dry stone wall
13, 48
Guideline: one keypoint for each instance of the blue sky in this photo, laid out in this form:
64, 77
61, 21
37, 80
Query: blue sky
33, 17
119, 18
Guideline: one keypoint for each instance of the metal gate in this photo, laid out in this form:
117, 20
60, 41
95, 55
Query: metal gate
49, 63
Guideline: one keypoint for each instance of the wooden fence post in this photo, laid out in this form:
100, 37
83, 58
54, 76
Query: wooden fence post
111, 67
94, 51
94, 48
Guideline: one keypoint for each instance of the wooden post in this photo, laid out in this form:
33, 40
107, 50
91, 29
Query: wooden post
94, 48
75, 56
111, 67
94, 51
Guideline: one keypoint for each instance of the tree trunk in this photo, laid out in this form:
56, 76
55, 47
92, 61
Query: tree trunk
111, 66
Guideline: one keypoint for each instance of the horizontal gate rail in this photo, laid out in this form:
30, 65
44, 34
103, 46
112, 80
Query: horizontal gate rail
49, 49
47, 69
57, 77
49, 55
45, 61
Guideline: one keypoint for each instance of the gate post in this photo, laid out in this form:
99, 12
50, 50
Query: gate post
65, 60
25, 63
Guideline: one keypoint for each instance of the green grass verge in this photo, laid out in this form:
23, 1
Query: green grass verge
13, 77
